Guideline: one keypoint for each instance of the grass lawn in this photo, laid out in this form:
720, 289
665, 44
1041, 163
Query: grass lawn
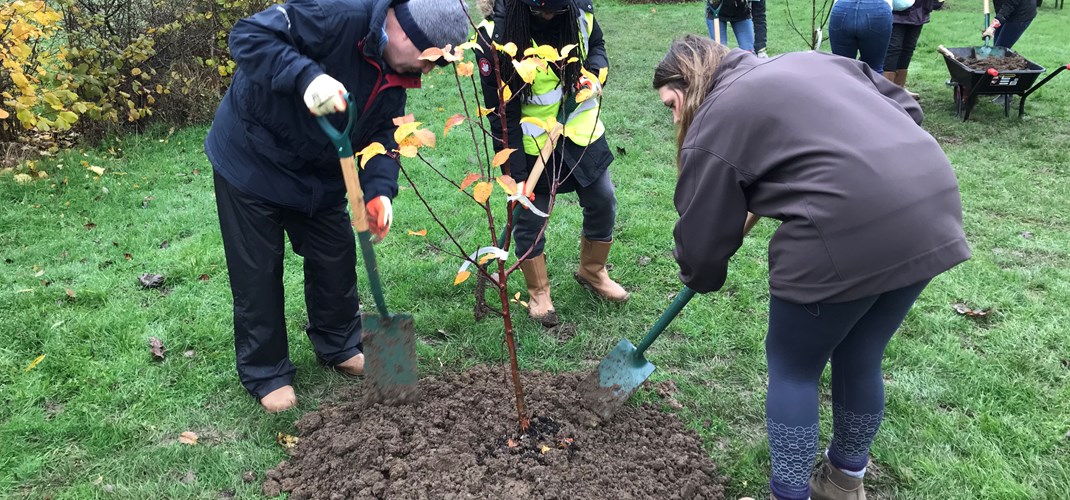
976, 408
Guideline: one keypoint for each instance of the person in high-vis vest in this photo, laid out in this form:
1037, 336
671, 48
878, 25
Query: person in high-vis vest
582, 154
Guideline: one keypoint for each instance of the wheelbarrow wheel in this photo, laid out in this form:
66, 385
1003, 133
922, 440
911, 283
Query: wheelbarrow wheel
958, 100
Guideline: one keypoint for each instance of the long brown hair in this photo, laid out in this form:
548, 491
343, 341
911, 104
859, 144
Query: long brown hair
689, 67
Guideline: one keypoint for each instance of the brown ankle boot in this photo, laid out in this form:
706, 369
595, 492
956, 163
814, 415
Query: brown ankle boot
592, 274
901, 80
540, 308
280, 399
830, 483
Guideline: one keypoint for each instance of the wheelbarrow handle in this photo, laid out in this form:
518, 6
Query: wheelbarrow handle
355, 193
670, 314
943, 50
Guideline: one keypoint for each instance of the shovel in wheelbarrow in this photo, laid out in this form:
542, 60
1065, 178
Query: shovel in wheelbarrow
389, 342
986, 50
621, 373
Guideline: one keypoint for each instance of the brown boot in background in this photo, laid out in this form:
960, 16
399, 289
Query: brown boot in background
280, 399
540, 308
901, 80
830, 483
592, 274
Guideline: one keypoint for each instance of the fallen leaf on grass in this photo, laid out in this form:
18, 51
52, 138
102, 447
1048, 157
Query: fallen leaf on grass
422, 232
34, 363
90, 225
156, 348
966, 310
128, 256
146, 201
149, 280
70, 293
204, 277
188, 437
286, 441
190, 353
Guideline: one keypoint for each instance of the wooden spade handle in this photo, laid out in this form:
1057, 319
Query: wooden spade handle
987, 10
540, 162
355, 194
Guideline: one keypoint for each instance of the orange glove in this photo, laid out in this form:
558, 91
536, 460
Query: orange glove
380, 216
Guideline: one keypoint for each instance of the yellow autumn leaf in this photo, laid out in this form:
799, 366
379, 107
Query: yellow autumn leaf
470, 45
405, 130
19, 80
461, 277
484, 111
516, 296
507, 93
466, 69
566, 49
188, 437
526, 69
453, 121
286, 441
509, 48
584, 94
431, 54
96, 170
502, 156
535, 121
34, 363
422, 232
508, 184
602, 73
487, 258
135, 71
4, 114
545, 52
408, 151
370, 151
482, 191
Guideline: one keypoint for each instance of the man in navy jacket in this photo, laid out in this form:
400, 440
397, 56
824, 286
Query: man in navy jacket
276, 172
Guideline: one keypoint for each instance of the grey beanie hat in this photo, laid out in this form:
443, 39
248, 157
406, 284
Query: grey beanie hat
434, 23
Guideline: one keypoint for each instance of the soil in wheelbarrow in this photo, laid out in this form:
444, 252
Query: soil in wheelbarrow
460, 440
1005, 63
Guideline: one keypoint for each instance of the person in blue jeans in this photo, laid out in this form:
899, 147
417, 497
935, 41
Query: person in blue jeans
861, 29
736, 12
1012, 19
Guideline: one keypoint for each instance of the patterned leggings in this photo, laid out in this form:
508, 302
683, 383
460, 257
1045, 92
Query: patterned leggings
800, 342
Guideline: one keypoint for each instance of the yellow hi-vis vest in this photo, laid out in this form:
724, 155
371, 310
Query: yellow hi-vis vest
582, 125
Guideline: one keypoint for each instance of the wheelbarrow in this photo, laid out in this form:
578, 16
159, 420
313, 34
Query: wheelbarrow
971, 83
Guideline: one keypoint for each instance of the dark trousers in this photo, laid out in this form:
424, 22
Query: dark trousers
802, 339
861, 29
757, 13
1008, 34
599, 203
253, 242
901, 46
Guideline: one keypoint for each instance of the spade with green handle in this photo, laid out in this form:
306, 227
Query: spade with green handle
389, 341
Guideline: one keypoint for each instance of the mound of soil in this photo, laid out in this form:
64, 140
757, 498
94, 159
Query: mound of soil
460, 440
1006, 63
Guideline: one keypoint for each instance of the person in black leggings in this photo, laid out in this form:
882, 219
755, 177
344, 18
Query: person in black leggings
906, 28
861, 232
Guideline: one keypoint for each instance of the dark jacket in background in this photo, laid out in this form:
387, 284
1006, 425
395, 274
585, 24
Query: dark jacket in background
916, 15
867, 200
728, 10
1015, 10
592, 162
263, 139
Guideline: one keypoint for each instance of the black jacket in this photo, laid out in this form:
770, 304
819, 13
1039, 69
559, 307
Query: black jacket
866, 199
264, 141
1015, 10
592, 163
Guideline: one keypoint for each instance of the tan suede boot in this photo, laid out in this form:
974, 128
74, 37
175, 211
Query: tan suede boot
592, 274
901, 80
280, 399
353, 366
540, 308
890, 75
830, 483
